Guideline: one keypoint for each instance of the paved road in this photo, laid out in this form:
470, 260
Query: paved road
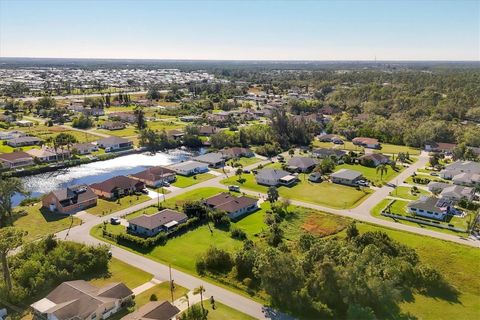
362, 212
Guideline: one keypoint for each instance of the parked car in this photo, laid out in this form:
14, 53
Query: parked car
362, 183
145, 191
115, 220
246, 171
234, 188
434, 174
391, 185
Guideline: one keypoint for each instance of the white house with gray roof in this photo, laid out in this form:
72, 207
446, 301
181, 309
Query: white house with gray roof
275, 177
213, 159
347, 177
465, 173
189, 168
431, 207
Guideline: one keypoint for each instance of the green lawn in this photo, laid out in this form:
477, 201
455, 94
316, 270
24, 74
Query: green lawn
121, 272
406, 193
183, 182
162, 291
244, 161
39, 223
223, 312
105, 207
164, 125
325, 193
127, 132
7, 149
457, 263
371, 173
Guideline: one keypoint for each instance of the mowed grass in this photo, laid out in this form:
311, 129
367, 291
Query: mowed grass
162, 291
406, 193
244, 161
326, 194
119, 271
126, 132
39, 223
459, 265
105, 207
223, 312
371, 173
183, 182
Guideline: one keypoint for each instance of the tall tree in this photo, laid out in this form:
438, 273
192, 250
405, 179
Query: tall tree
140, 115
272, 194
10, 238
382, 169
200, 290
8, 188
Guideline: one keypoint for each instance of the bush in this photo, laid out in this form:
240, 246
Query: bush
215, 260
153, 297
238, 234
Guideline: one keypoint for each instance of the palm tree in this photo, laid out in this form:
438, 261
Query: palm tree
186, 299
382, 169
200, 290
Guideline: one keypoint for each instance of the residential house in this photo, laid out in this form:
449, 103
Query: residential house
128, 117
235, 207
237, 152
117, 187
442, 147
431, 207
112, 144
465, 173
81, 300
16, 159
70, 200
48, 154
189, 168
347, 177
374, 159
24, 141
219, 116
323, 153
189, 118
175, 134
437, 187
207, 130
151, 225
24, 123
371, 143
155, 176
213, 159
302, 164
84, 148
112, 125
154, 310
8, 135
456, 193
275, 177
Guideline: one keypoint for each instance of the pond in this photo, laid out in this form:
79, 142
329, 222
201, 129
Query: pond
98, 171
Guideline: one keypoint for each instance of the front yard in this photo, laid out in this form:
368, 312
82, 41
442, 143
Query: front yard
406, 193
371, 173
105, 207
162, 292
121, 272
183, 182
39, 223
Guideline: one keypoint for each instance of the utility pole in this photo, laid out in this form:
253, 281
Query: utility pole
171, 281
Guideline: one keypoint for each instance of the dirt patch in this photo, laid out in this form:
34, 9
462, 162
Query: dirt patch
322, 225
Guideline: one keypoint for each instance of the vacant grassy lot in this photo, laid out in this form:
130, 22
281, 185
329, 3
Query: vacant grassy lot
244, 161
121, 272
105, 207
223, 312
371, 173
39, 223
164, 125
162, 291
325, 193
406, 193
457, 263
183, 182
127, 132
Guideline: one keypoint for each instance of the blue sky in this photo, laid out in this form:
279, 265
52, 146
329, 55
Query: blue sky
277, 30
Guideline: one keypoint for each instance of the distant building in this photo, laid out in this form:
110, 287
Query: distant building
84, 148
207, 130
112, 144
151, 225
456, 193
117, 187
235, 207
155, 176
7, 135
374, 159
16, 159
213, 159
82, 300
24, 123
302, 164
24, 141
237, 152
465, 173
70, 200
189, 168
323, 153
112, 125
47, 154
371, 143
347, 177
440, 147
